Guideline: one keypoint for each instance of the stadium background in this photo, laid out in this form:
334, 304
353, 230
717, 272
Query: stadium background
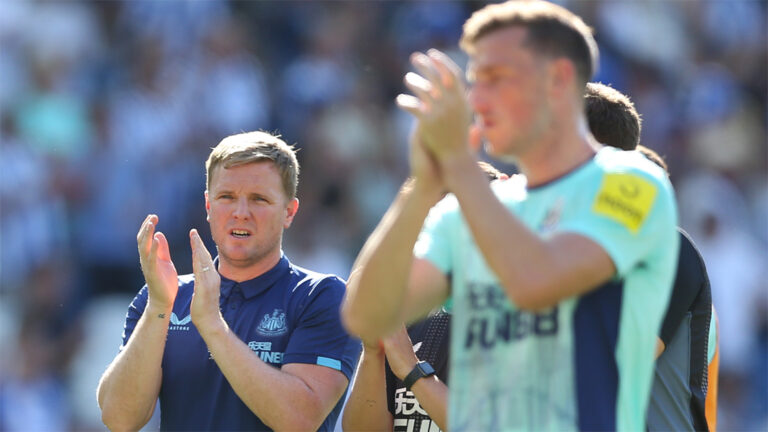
108, 110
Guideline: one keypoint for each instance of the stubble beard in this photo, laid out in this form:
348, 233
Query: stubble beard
255, 256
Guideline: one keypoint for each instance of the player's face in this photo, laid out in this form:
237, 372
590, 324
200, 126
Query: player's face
248, 210
508, 91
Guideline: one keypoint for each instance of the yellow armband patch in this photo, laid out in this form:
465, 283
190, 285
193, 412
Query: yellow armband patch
625, 198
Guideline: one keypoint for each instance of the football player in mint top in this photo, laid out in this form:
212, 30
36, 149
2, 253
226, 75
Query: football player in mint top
249, 341
559, 277
400, 384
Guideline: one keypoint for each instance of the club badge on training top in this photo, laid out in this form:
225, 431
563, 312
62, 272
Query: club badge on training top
273, 325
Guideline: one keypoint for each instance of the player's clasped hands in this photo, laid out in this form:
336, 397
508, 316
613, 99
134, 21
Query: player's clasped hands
439, 103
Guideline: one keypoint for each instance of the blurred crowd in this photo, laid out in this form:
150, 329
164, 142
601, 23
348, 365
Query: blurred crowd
109, 109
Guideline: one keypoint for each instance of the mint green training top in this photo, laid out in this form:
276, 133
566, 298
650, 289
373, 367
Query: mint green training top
586, 363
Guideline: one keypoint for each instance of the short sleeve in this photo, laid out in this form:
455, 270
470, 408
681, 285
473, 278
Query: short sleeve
135, 310
629, 214
319, 337
434, 241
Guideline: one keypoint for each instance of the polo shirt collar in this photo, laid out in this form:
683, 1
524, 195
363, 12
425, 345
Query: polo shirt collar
257, 285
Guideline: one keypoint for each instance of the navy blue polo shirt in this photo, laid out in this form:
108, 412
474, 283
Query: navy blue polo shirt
287, 315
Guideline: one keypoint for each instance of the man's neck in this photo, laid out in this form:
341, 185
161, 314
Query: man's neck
241, 273
557, 154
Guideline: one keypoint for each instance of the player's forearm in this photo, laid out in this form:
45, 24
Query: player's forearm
367, 407
432, 395
129, 388
521, 260
290, 404
378, 282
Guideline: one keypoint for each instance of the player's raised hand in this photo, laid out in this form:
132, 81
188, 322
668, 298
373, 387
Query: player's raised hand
159, 271
205, 301
440, 104
424, 168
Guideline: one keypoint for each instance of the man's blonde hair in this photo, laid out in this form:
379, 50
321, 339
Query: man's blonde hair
251, 147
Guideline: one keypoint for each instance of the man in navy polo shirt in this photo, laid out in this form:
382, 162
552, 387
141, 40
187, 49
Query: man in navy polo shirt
249, 341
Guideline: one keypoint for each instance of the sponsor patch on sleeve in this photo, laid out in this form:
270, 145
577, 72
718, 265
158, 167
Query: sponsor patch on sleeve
625, 198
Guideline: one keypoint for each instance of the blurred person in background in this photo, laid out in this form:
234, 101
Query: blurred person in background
33, 393
560, 279
737, 274
249, 341
33, 396
684, 393
386, 396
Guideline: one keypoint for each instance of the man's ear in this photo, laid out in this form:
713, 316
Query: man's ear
207, 206
290, 212
562, 74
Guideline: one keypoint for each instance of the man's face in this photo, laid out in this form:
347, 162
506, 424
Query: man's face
508, 92
247, 211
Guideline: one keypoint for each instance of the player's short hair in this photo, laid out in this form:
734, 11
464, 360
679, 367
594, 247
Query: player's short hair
251, 147
612, 117
614, 121
552, 30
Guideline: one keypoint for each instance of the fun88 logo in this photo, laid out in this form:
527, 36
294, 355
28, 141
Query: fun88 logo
492, 322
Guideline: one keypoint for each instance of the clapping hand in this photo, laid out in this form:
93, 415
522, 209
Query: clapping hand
205, 301
440, 105
159, 271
